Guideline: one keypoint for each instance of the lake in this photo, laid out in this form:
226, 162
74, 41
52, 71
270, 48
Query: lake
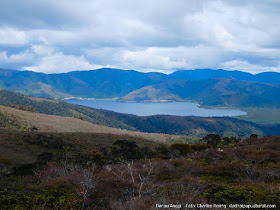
153, 108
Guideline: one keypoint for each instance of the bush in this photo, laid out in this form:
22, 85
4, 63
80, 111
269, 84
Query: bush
48, 198
4, 161
48, 141
254, 136
45, 157
230, 140
182, 148
213, 139
5, 166
126, 150
232, 194
26, 169
199, 147
163, 152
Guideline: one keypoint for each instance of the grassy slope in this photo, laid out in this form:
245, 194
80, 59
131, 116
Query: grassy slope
53, 107
52, 123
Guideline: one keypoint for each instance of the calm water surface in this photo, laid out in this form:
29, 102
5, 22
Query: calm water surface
168, 108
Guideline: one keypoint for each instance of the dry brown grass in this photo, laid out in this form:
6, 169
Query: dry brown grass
53, 123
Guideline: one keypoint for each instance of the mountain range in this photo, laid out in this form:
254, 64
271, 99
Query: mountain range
205, 86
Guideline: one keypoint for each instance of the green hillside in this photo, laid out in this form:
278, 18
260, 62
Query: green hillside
102, 83
195, 126
53, 107
212, 92
208, 87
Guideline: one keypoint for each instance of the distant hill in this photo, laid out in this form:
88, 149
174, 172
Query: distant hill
102, 83
174, 125
203, 74
192, 85
213, 92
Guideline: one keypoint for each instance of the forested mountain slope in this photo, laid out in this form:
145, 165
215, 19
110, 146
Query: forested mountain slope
227, 88
213, 92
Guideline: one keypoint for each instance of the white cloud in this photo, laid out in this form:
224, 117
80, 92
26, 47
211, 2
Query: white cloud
3, 57
248, 67
58, 62
151, 58
15, 58
169, 59
9, 36
145, 35
42, 50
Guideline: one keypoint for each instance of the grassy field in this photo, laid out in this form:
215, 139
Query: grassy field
261, 115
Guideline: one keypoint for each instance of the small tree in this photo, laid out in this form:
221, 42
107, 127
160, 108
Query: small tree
138, 176
86, 183
126, 150
213, 139
230, 140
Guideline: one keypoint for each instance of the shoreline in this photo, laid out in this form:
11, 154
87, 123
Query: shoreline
199, 106
153, 101
128, 101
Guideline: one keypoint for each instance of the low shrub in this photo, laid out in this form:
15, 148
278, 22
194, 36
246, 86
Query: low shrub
213, 139
4, 161
233, 194
199, 147
182, 148
25, 170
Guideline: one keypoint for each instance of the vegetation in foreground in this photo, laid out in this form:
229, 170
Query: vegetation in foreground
102, 171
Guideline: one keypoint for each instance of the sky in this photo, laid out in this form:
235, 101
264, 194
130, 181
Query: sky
54, 36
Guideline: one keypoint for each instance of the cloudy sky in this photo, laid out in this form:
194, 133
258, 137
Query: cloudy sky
54, 36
